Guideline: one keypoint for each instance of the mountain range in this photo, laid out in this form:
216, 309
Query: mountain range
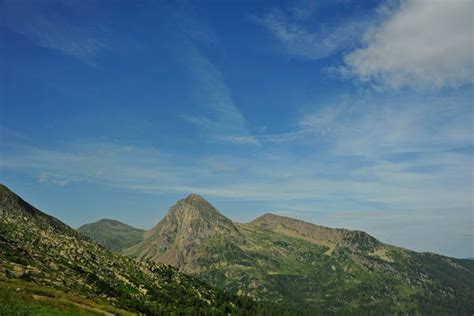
48, 268
196, 261
310, 268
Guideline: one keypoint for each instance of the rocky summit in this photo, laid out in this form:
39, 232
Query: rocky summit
314, 269
186, 226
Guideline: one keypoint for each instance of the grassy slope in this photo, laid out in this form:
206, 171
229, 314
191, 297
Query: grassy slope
325, 278
18, 297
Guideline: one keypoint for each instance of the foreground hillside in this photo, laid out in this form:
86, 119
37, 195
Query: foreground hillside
48, 268
313, 268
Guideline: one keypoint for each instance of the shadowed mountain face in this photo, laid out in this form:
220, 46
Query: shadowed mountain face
112, 234
313, 268
43, 260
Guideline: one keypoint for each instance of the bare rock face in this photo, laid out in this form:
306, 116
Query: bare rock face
174, 240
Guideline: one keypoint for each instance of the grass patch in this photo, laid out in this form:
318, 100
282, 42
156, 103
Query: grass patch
18, 298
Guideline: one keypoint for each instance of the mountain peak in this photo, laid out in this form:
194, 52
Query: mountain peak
194, 197
189, 222
109, 222
197, 201
194, 207
112, 234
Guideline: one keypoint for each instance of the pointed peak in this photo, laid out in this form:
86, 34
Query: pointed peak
193, 203
194, 207
194, 197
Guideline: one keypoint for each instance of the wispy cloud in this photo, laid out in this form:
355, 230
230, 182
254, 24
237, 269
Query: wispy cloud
402, 125
40, 22
269, 138
371, 127
419, 44
292, 28
216, 114
103, 163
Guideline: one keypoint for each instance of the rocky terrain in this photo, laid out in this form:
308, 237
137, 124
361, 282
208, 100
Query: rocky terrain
188, 225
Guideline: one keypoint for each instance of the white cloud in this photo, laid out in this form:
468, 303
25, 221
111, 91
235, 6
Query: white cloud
420, 44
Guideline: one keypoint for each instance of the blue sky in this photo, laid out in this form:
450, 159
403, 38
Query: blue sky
353, 114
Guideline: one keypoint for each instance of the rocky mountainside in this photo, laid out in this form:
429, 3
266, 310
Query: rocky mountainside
112, 234
48, 268
315, 269
187, 225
